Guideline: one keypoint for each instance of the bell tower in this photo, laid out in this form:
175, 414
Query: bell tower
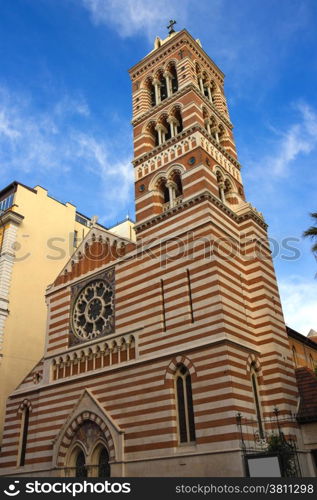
188, 186
183, 140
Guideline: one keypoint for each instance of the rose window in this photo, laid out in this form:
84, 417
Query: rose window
93, 311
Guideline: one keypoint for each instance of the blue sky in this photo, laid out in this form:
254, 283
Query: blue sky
65, 107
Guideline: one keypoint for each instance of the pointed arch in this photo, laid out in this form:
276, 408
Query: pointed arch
157, 179
253, 362
24, 411
184, 404
100, 457
72, 429
172, 367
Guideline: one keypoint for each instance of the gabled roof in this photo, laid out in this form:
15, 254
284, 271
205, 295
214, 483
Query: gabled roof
301, 338
307, 387
98, 248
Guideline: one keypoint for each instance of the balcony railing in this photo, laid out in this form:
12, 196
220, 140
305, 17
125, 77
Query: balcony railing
174, 203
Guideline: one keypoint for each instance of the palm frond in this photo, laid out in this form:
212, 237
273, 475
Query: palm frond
310, 232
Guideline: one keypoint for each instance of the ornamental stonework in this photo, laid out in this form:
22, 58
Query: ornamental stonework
93, 309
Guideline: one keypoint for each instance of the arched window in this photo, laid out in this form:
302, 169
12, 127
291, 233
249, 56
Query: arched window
152, 93
175, 122
151, 90
205, 84
174, 81
103, 466
160, 89
294, 356
221, 133
153, 133
227, 187
162, 86
166, 130
220, 183
166, 193
185, 410
24, 435
81, 469
257, 403
179, 120
177, 184
312, 364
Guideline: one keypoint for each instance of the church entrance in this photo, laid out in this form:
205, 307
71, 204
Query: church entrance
88, 454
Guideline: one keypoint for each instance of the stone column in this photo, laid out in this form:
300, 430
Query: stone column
222, 192
201, 85
161, 130
171, 189
168, 77
174, 123
157, 88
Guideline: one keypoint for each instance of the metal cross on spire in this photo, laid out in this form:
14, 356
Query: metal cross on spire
170, 27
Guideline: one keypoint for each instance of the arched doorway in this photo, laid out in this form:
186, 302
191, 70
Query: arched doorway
88, 454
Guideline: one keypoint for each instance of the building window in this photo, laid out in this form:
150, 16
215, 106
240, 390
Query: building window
6, 203
221, 185
81, 469
312, 364
24, 435
104, 467
257, 403
185, 410
294, 356
82, 220
93, 310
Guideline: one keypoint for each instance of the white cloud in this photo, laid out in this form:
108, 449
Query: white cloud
33, 140
299, 139
69, 105
116, 173
61, 141
130, 17
299, 303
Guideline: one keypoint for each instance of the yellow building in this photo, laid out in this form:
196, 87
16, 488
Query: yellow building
38, 234
304, 349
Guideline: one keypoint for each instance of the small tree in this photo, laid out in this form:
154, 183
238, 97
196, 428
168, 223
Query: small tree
311, 232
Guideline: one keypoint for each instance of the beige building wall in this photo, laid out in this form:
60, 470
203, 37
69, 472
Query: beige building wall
38, 235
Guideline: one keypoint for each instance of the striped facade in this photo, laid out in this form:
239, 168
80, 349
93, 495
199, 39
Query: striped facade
197, 290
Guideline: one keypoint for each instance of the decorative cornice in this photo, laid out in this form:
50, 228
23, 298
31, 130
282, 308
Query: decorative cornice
189, 86
206, 195
10, 216
166, 48
190, 130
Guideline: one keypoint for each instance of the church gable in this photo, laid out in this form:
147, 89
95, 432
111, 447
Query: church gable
88, 423
99, 248
34, 377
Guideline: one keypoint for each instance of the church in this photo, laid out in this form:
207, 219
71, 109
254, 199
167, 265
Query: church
168, 355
